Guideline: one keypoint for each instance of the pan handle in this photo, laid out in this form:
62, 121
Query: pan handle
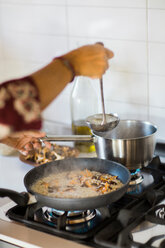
68, 138
20, 198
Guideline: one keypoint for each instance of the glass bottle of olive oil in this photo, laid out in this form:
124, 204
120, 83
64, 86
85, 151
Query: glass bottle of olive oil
84, 102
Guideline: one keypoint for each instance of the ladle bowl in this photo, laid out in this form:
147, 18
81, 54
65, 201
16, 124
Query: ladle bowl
95, 122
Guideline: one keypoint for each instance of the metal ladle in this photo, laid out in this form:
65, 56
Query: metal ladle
102, 122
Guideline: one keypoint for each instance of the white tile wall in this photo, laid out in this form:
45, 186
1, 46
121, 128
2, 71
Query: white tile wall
156, 20
157, 91
160, 4
157, 117
17, 68
1, 47
32, 32
156, 58
109, 3
2, 76
126, 87
1, 52
40, 2
33, 47
127, 110
118, 23
45, 19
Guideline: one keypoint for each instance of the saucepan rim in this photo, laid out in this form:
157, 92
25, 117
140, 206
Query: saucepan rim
103, 135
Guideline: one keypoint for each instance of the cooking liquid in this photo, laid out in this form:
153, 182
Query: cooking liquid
76, 184
80, 128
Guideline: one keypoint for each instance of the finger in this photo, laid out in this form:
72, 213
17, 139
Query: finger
28, 147
36, 134
100, 43
47, 144
21, 143
24, 152
25, 142
29, 142
109, 53
34, 140
37, 145
106, 66
33, 133
102, 68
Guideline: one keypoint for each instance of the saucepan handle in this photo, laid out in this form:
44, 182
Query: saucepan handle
20, 198
68, 138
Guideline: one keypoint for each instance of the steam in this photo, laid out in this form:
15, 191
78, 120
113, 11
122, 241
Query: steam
70, 164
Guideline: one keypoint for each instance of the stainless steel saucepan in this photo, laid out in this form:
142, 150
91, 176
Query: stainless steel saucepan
131, 143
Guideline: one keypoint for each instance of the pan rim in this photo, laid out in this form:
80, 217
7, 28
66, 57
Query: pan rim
28, 187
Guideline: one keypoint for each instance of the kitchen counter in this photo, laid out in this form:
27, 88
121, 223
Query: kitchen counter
13, 172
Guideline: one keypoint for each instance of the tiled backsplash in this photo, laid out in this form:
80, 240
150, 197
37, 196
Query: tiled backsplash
32, 32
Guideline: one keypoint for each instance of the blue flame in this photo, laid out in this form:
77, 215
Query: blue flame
136, 171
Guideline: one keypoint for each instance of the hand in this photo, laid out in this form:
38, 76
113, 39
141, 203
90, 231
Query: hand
25, 141
90, 60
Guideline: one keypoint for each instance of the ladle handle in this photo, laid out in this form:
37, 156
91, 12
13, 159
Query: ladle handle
102, 93
102, 101
68, 138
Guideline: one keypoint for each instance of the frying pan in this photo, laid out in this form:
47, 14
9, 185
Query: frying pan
103, 166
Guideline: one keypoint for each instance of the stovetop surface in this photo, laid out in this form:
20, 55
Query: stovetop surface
112, 226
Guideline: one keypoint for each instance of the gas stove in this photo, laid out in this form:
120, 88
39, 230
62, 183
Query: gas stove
140, 212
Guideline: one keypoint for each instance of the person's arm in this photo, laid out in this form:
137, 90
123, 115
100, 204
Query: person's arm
22, 100
51, 80
90, 60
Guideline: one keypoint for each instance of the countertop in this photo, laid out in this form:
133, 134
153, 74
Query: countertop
13, 172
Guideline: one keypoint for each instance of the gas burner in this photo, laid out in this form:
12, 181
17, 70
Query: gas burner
71, 217
136, 177
72, 221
